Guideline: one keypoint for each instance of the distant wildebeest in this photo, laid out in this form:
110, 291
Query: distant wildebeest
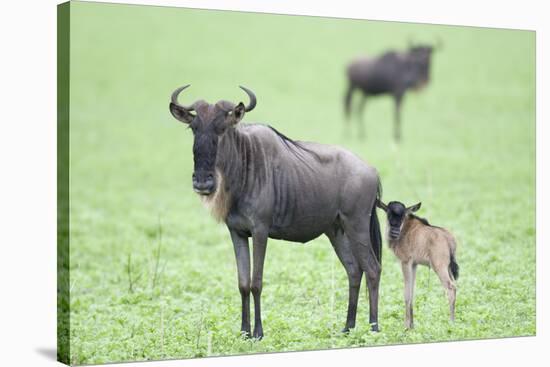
391, 73
263, 184
414, 241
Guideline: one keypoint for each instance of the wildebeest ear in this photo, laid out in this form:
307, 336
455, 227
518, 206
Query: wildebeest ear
414, 208
181, 113
381, 205
237, 114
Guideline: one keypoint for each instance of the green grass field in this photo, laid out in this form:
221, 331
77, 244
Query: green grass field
153, 276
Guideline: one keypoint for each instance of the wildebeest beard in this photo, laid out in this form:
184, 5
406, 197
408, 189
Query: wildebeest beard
229, 160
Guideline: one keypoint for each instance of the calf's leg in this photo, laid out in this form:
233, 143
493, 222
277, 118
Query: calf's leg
442, 271
409, 275
242, 255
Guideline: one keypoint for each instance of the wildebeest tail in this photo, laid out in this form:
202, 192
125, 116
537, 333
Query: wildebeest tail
453, 266
375, 234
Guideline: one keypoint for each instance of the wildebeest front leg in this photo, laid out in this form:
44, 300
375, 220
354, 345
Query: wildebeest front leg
259, 245
242, 255
360, 114
398, 98
348, 99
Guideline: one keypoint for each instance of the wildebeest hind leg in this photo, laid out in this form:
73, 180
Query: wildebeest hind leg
358, 232
342, 247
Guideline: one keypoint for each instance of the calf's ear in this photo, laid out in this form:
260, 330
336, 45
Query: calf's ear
236, 115
181, 113
381, 205
414, 208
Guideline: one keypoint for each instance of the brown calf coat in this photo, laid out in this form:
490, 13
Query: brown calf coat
421, 243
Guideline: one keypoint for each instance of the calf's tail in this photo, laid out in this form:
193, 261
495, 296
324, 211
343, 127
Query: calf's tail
453, 266
375, 234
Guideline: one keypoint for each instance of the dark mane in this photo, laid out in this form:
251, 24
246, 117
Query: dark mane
236, 171
294, 145
423, 221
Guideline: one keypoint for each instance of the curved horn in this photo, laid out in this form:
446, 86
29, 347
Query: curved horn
175, 98
252, 97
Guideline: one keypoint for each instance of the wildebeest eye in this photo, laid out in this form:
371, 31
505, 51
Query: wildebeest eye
194, 128
194, 125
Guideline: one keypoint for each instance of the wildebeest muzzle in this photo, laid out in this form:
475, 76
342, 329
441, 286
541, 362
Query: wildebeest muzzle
395, 232
204, 182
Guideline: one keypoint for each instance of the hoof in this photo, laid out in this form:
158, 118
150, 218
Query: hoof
347, 329
258, 334
245, 334
374, 327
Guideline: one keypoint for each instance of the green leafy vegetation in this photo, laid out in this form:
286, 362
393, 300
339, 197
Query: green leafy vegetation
153, 276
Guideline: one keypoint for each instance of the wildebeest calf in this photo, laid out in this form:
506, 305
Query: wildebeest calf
414, 241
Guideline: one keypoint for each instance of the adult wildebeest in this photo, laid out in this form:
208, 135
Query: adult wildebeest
263, 184
414, 241
391, 73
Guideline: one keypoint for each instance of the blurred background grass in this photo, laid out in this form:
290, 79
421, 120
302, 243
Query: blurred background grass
468, 154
